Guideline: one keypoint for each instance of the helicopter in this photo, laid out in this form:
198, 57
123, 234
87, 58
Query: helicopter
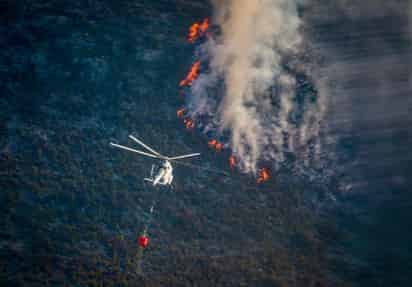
164, 175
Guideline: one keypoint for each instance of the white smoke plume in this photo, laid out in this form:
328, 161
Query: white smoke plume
247, 57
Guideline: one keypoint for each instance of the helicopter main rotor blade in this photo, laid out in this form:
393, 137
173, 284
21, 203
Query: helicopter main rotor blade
203, 168
145, 146
183, 156
136, 151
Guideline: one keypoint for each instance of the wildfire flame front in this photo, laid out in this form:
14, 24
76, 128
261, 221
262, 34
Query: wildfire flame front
191, 76
232, 162
197, 29
263, 175
189, 124
214, 144
180, 112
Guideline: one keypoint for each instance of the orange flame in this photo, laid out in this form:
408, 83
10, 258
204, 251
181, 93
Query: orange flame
196, 29
179, 113
214, 144
193, 32
232, 162
204, 25
189, 124
263, 175
191, 76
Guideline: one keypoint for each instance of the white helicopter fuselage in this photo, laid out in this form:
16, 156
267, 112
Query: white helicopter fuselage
165, 174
